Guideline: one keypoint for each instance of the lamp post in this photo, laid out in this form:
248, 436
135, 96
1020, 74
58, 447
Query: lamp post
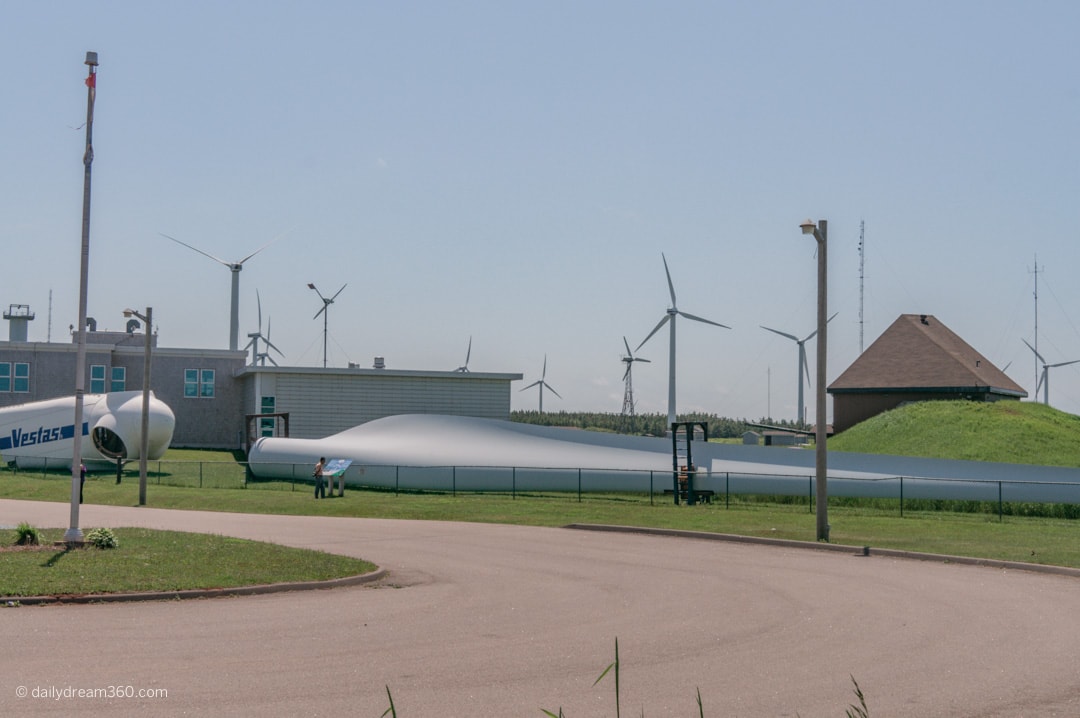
821, 234
144, 434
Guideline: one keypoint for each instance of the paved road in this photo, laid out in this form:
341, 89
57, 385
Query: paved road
479, 620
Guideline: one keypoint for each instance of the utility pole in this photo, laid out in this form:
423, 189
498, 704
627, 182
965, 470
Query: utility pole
74, 533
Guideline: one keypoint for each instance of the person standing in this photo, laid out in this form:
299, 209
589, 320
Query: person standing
82, 480
320, 484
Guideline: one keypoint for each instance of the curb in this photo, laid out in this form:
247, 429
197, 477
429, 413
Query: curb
841, 548
197, 592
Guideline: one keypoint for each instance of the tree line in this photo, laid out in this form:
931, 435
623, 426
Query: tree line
646, 424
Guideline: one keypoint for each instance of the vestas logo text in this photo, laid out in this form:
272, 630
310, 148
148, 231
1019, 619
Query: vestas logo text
21, 438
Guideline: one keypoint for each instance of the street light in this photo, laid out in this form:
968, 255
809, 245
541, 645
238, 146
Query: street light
821, 234
144, 435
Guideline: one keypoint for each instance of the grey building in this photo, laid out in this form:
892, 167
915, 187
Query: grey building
217, 398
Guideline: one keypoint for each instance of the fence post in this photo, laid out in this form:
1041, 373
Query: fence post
810, 490
579, 485
901, 497
453, 481
651, 472
200, 474
397, 479
1001, 507
727, 489
513, 482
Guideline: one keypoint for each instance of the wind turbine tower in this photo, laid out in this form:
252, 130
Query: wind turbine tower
542, 382
1044, 378
802, 366
325, 311
628, 393
669, 318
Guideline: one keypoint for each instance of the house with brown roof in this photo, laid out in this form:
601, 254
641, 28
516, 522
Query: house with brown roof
916, 359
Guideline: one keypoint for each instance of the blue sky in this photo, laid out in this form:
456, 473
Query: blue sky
512, 172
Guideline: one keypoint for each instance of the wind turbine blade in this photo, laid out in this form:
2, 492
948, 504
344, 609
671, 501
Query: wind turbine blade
706, 321
806, 366
654, 331
258, 302
812, 334
273, 347
671, 287
1037, 355
1064, 363
321, 310
267, 244
270, 359
312, 286
551, 390
627, 372
628, 352
339, 291
647, 361
783, 334
468, 352
196, 249
543, 374
530, 386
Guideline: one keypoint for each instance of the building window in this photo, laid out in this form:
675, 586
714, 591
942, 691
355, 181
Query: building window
119, 379
22, 378
97, 378
266, 426
5, 376
198, 383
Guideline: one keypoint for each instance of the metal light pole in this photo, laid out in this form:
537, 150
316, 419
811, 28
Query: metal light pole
144, 436
74, 533
821, 234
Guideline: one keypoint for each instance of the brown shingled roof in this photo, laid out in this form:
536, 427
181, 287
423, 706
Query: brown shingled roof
917, 352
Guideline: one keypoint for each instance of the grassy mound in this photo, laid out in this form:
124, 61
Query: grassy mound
1004, 431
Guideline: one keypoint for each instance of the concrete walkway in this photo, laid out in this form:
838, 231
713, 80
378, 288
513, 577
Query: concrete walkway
480, 620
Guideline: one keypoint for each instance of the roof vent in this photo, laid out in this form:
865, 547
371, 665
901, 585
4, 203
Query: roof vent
380, 363
91, 324
922, 319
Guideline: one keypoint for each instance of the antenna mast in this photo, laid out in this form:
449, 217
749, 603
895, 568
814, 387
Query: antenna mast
862, 276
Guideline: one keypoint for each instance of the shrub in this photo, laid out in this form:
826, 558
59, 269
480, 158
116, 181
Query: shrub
27, 535
102, 538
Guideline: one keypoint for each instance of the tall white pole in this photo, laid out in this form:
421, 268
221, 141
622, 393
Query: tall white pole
74, 533
820, 463
671, 376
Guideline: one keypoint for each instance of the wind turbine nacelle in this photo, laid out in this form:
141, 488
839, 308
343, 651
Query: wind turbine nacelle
42, 433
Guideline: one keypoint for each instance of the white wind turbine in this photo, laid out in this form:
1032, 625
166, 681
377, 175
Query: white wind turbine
628, 381
1044, 378
257, 357
464, 368
235, 268
325, 311
802, 366
542, 382
673, 312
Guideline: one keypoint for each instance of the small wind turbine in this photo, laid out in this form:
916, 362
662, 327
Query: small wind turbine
673, 312
258, 357
1044, 378
628, 393
465, 367
325, 312
802, 366
234, 267
542, 382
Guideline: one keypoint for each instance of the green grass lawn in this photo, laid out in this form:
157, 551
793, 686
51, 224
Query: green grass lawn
147, 560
